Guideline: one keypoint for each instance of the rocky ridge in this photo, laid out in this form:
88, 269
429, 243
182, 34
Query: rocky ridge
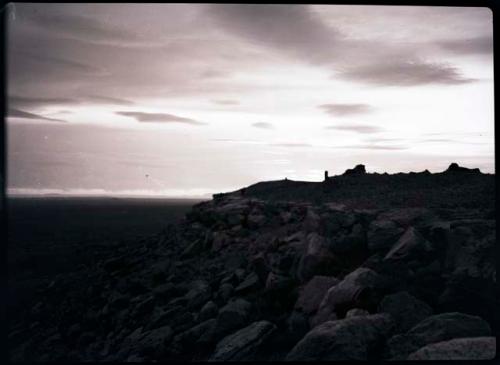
248, 278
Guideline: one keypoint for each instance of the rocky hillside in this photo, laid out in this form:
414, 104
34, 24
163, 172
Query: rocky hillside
261, 278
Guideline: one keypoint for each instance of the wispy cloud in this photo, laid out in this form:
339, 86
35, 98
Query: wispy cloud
346, 109
226, 102
158, 118
373, 61
29, 102
476, 45
107, 100
404, 73
263, 125
291, 145
372, 147
359, 128
16, 113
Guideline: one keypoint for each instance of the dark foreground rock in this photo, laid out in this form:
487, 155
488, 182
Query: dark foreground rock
435, 329
355, 338
353, 272
475, 348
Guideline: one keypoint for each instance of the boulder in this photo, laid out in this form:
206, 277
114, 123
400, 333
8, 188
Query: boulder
350, 242
202, 334
362, 288
255, 220
209, 310
382, 234
355, 312
410, 246
474, 348
470, 267
233, 315
353, 338
317, 258
312, 221
225, 292
199, 294
260, 267
251, 283
413, 216
278, 284
406, 310
312, 293
436, 328
244, 344
145, 343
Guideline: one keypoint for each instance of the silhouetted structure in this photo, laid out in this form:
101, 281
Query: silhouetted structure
454, 167
357, 170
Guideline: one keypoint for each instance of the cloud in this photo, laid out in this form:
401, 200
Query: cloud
299, 32
291, 145
404, 73
377, 140
107, 100
28, 102
477, 45
79, 27
158, 118
346, 109
16, 113
33, 102
226, 102
372, 147
59, 63
295, 29
359, 128
263, 125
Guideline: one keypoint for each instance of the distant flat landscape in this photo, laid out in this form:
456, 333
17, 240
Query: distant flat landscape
54, 235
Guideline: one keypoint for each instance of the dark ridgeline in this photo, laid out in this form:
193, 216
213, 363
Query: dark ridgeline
361, 266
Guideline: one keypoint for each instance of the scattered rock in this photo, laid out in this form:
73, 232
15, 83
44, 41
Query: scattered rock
243, 344
382, 234
362, 288
317, 259
437, 328
353, 338
475, 348
355, 312
313, 292
209, 310
250, 283
233, 315
199, 294
405, 309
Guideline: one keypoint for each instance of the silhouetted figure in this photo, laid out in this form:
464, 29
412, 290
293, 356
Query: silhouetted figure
326, 175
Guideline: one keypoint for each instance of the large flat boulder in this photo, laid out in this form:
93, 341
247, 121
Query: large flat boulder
474, 348
352, 338
312, 293
411, 245
437, 328
360, 289
317, 258
406, 310
382, 233
243, 344
232, 316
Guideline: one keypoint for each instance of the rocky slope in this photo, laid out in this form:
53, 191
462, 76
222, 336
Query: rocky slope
250, 276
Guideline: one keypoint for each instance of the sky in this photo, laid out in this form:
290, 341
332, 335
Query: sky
187, 100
